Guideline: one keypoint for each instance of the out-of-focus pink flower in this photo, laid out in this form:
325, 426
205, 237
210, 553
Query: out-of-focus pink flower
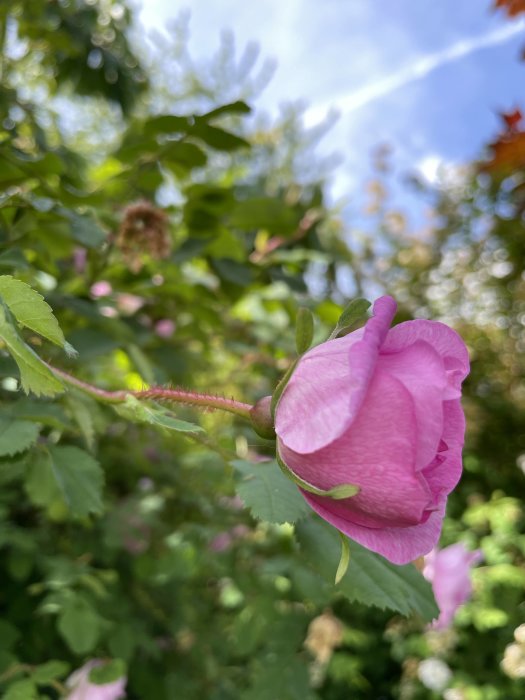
102, 288
83, 689
128, 304
449, 572
108, 311
79, 260
239, 532
221, 542
380, 409
165, 328
231, 502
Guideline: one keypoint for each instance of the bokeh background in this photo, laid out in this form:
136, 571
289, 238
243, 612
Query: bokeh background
177, 249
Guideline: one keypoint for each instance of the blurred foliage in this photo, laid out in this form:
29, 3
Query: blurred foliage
175, 235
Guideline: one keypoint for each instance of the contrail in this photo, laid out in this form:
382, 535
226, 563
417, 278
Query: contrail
420, 68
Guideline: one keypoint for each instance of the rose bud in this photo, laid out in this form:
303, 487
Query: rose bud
380, 409
449, 572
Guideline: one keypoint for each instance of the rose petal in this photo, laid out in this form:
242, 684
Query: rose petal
400, 545
421, 370
443, 339
443, 474
329, 384
449, 571
377, 454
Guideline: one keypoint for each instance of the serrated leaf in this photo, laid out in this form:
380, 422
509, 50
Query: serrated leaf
69, 473
372, 580
35, 376
79, 625
268, 494
83, 416
141, 412
304, 330
16, 435
30, 309
40, 483
79, 478
353, 312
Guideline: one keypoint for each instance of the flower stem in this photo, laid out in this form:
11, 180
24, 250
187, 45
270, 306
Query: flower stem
189, 398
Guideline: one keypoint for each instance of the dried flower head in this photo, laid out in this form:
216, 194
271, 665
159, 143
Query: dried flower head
143, 231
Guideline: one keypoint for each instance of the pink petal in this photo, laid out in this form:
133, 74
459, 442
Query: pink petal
443, 474
449, 571
329, 384
421, 370
376, 453
400, 545
443, 339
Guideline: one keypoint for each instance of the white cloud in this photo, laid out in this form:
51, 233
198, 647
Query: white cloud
418, 69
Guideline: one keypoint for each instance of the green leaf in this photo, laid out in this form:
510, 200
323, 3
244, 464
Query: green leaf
108, 673
16, 435
79, 625
30, 309
354, 311
86, 230
79, 478
182, 154
40, 483
165, 124
149, 412
218, 138
45, 673
268, 494
67, 472
304, 329
34, 374
81, 409
21, 690
372, 580
265, 213
237, 107
279, 676
39, 411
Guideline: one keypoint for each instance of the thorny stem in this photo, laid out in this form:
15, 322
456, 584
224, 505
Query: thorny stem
189, 398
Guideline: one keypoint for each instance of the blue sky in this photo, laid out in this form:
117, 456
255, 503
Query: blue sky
426, 76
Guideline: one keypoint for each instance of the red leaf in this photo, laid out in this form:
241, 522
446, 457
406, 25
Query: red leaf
511, 7
512, 119
508, 154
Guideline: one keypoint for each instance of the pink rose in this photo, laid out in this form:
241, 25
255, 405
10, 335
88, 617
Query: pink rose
165, 328
379, 408
102, 288
83, 689
449, 572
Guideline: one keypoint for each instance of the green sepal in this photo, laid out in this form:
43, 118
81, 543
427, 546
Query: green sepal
337, 492
344, 560
281, 387
352, 313
304, 329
